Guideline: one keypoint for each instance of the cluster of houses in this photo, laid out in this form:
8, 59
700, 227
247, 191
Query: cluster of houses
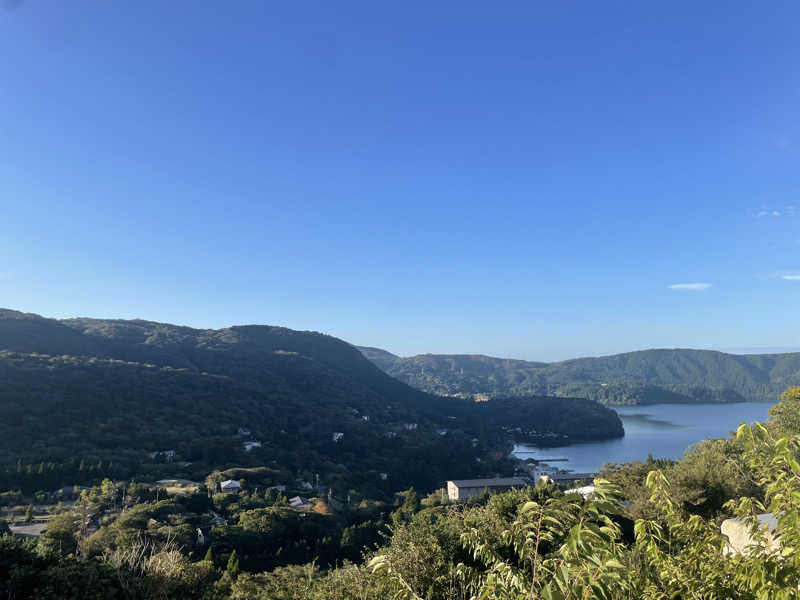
231, 486
249, 445
169, 455
533, 433
338, 435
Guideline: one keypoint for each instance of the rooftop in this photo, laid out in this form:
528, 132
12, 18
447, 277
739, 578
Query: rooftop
495, 482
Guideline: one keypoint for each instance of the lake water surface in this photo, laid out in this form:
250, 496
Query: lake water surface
663, 430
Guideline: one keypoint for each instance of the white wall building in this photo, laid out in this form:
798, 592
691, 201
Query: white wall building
462, 489
230, 486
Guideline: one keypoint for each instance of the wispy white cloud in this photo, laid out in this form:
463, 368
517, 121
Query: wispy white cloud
788, 210
786, 275
693, 287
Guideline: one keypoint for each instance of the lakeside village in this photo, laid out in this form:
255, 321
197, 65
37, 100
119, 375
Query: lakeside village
214, 517
29, 517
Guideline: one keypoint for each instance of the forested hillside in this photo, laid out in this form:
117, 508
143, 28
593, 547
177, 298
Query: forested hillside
644, 377
110, 393
651, 529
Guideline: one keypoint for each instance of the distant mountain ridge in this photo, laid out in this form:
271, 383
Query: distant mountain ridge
642, 377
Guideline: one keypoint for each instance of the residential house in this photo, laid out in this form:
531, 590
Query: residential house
337, 435
230, 486
167, 454
299, 502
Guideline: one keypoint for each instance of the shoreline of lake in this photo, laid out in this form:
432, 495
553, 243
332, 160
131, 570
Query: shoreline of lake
663, 430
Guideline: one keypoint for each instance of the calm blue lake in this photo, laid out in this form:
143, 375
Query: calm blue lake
663, 430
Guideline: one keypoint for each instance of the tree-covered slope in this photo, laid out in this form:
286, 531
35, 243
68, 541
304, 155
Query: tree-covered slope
263, 356
114, 391
644, 377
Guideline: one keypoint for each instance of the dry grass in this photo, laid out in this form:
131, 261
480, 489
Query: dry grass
178, 486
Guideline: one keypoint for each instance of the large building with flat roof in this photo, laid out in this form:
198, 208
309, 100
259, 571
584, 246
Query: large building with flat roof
461, 489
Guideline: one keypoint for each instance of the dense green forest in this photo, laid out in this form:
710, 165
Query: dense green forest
83, 399
650, 530
645, 377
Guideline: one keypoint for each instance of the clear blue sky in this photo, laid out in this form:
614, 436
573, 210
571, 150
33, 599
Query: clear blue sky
522, 179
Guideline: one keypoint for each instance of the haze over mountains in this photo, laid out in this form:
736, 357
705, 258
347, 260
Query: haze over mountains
643, 377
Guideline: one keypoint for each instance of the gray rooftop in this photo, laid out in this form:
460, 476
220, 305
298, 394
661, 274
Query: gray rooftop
495, 482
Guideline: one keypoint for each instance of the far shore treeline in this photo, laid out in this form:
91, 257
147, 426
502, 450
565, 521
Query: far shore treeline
643, 377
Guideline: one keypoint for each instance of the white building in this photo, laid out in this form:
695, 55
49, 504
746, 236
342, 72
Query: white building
168, 454
587, 491
740, 538
299, 502
462, 489
250, 445
230, 486
337, 435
